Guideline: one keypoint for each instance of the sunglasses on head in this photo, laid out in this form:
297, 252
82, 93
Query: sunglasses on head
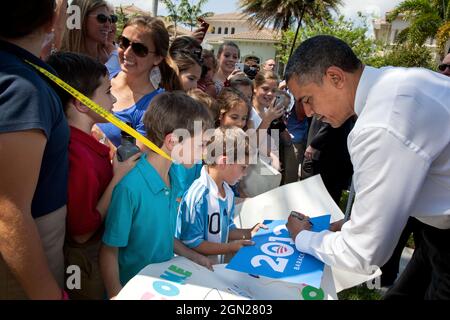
138, 48
443, 66
103, 18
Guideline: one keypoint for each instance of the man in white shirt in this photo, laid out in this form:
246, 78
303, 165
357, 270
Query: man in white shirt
400, 150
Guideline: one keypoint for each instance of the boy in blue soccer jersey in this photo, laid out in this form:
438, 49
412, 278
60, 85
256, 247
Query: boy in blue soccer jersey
141, 222
205, 218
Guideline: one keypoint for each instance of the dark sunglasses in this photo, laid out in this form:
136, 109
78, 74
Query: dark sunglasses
443, 66
138, 48
103, 18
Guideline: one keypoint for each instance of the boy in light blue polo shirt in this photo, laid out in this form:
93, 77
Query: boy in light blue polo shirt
141, 221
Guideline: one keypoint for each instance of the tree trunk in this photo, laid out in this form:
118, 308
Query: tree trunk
155, 8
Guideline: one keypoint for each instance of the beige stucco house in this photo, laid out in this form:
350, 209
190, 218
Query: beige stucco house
259, 44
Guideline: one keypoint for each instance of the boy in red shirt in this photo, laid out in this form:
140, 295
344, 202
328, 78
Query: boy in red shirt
92, 177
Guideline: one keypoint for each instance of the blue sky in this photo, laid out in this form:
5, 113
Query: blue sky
349, 9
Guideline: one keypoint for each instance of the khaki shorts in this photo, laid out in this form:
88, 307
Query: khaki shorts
52, 229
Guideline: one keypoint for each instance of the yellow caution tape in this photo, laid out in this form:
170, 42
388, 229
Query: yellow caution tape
102, 112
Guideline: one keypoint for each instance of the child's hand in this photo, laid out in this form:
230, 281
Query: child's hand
235, 246
120, 169
256, 228
203, 261
274, 112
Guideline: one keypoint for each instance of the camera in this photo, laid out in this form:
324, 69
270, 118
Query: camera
240, 66
251, 71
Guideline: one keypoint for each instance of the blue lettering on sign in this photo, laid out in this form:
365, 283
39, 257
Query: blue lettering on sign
178, 275
166, 288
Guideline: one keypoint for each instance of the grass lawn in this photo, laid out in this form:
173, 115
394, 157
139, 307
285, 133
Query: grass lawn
360, 292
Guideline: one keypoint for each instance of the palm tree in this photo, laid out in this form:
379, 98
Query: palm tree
283, 13
193, 11
176, 13
428, 19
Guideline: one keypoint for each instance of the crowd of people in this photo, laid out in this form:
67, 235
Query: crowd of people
69, 199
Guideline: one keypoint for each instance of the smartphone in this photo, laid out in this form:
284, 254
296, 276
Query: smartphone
278, 102
240, 66
204, 26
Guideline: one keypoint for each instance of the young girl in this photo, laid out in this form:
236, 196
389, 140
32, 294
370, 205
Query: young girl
264, 112
228, 55
189, 69
234, 109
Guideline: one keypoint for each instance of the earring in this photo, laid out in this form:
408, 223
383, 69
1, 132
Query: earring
155, 77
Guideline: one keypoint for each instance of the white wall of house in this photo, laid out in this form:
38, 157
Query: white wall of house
228, 26
263, 51
388, 32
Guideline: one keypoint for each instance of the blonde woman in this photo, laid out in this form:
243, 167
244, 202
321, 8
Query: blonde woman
92, 38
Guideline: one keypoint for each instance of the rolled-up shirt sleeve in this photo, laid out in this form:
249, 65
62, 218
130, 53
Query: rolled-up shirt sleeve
388, 174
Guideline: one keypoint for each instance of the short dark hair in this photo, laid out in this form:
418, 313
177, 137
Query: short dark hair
169, 111
314, 56
186, 44
79, 71
22, 17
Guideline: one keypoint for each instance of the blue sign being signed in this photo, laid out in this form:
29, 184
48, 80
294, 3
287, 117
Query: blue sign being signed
274, 255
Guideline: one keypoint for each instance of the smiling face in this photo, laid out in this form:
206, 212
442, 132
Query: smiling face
132, 63
228, 59
326, 101
235, 117
264, 94
95, 30
190, 77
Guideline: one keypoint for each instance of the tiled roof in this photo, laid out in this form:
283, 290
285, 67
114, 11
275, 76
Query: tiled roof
227, 17
264, 34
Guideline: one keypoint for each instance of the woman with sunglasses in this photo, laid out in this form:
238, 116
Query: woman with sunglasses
92, 38
145, 72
